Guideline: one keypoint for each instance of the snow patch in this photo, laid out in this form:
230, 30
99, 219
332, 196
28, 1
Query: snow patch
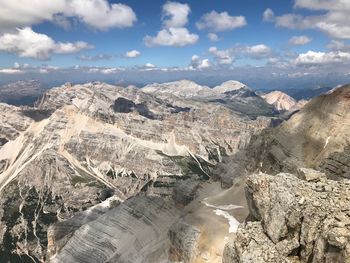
231, 220
327, 141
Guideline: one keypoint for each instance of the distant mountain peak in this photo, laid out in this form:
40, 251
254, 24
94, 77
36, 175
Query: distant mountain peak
280, 100
229, 85
187, 88
182, 88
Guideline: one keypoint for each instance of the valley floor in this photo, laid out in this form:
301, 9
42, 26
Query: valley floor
206, 213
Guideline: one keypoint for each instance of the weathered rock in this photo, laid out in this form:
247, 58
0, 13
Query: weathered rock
185, 191
135, 231
184, 242
250, 244
303, 220
310, 175
337, 165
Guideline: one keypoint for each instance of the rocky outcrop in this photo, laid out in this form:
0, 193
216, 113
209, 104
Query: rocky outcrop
337, 165
305, 219
184, 242
184, 191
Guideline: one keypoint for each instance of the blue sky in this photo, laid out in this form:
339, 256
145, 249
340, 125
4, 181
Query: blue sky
296, 38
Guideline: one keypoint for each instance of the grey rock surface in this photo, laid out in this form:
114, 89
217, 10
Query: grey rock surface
184, 240
293, 220
134, 231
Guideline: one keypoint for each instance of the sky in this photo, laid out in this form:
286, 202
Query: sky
266, 44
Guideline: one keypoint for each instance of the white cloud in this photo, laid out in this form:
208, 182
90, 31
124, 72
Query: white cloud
258, 51
336, 5
102, 15
299, 40
177, 37
43, 71
314, 58
132, 54
227, 56
175, 17
27, 43
107, 71
217, 22
99, 14
69, 48
268, 15
222, 57
10, 71
150, 65
213, 37
175, 14
198, 63
337, 45
333, 19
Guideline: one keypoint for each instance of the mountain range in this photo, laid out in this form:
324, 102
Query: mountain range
99, 173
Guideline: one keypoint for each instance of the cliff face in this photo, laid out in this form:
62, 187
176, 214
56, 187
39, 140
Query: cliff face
303, 218
85, 144
319, 130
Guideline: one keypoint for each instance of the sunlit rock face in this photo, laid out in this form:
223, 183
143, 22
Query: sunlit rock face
318, 132
86, 144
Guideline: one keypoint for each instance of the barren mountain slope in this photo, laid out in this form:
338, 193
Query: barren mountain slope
309, 137
88, 143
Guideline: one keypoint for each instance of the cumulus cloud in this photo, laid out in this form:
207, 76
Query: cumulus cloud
177, 37
213, 37
175, 17
217, 22
222, 57
268, 15
333, 20
198, 63
319, 58
132, 54
102, 15
175, 14
258, 51
299, 40
336, 5
337, 45
99, 14
27, 43
227, 56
